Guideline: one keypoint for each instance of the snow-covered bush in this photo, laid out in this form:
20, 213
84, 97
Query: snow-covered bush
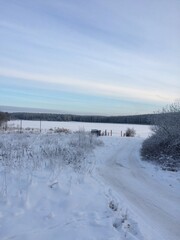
34, 151
25, 154
85, 140
130, 132
164, 145
62, 130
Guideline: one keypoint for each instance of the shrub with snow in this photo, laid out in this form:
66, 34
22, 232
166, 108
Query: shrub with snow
130, 132
163, 146
27, 153
62, 130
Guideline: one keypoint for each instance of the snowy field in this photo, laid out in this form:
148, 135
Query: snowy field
141, 130
75, 186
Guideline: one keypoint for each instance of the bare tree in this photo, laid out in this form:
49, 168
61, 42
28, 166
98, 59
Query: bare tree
167, 121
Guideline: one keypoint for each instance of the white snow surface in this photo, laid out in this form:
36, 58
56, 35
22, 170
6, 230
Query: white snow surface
118, 197
150, 193
141, 130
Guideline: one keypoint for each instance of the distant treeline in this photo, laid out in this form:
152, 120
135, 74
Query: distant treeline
135, 119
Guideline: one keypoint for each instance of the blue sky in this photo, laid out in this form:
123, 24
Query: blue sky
90, 57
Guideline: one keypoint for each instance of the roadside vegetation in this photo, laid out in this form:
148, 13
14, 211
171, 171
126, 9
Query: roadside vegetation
163, 147
26, 153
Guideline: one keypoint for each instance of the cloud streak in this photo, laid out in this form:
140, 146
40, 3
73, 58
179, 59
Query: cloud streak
90, 87
123, 50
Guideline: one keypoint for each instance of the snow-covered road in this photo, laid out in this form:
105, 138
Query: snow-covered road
155, 203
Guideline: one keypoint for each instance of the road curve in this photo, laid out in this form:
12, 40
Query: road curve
154, 204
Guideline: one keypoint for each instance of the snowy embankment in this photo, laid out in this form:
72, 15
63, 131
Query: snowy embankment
57, 186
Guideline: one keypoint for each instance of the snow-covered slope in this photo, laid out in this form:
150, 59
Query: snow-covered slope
114, 196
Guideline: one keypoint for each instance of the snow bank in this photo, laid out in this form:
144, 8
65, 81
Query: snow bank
110, 195
42, 197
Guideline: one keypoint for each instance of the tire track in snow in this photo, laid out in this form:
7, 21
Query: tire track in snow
154, 204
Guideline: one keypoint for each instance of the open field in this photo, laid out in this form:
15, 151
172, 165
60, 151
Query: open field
141, 130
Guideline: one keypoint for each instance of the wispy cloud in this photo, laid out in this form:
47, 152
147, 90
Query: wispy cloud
119, 49
91, 87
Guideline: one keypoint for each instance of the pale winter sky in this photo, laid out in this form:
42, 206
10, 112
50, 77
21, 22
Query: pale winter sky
106, 57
